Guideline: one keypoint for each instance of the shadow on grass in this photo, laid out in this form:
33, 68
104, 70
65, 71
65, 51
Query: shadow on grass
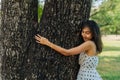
111, 48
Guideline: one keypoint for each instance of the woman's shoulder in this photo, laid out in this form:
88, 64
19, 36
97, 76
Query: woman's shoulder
90, 43
92, 50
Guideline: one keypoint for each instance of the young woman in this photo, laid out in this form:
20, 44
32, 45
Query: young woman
89, 49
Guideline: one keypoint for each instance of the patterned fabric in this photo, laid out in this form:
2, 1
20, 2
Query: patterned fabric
88, 68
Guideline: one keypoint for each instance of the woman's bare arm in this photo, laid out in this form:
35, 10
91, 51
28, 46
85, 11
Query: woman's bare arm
66, 52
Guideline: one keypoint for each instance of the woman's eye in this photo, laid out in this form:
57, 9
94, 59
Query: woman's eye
87, 33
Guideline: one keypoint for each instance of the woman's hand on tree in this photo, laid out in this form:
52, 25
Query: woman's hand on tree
41, 40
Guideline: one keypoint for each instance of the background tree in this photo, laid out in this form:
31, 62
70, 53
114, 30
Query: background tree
108, 16
23, 59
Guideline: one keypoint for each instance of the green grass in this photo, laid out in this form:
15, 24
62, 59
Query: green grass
109, 61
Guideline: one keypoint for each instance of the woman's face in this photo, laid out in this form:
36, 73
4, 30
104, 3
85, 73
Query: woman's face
86, 33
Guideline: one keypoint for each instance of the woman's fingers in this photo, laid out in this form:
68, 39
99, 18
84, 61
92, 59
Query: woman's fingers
38, 41
38, 35
37, 38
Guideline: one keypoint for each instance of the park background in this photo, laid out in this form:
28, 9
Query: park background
107, 14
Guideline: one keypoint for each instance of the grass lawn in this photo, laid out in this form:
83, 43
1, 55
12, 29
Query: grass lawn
109, 61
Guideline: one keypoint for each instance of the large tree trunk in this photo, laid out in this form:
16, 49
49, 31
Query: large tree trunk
18, 22
25, 59
60, 24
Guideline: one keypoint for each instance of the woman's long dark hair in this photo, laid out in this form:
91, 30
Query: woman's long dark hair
96, 35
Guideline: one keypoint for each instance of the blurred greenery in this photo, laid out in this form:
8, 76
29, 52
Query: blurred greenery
107, 16
40, 10
109, 62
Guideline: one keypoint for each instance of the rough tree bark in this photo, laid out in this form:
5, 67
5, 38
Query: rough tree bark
60, 24
18, 22
23, 59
